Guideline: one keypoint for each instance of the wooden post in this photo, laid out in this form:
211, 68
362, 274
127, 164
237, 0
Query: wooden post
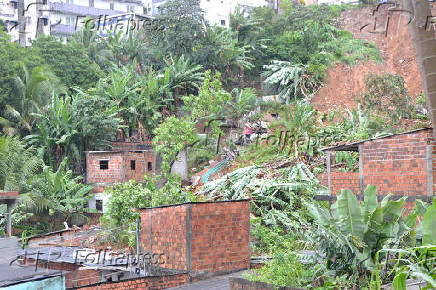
328, 160
361, 185
9, 219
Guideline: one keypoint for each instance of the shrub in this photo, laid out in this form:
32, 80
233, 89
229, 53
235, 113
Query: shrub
283, 270
125, 200
387, 94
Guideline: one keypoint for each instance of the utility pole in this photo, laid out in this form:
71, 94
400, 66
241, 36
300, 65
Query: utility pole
21, 23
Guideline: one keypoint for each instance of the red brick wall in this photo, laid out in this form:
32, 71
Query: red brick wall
161, 282
141, 165
397, 164
112, 174
219, 235
82, 277
167, 235
115, 171
344, 180
8, 193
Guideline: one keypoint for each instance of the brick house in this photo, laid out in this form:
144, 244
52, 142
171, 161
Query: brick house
401, 164
126, 161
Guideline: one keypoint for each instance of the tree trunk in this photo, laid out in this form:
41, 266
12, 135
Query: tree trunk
424, 40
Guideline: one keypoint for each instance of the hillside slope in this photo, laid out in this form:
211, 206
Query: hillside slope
344, 84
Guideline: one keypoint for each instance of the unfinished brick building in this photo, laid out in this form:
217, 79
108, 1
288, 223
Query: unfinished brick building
401, 164
202, 238
126, 160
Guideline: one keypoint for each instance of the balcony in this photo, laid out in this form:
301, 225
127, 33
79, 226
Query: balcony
81, 10
62, 30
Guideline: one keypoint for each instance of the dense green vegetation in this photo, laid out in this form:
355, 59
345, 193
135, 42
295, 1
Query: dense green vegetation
160, 83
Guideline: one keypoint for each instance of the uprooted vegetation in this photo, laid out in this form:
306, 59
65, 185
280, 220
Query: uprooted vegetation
277, 195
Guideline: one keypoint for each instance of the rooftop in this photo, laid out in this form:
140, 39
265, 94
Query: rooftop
11, 272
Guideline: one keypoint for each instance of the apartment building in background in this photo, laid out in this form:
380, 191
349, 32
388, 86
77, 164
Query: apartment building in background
25, 19
9, 16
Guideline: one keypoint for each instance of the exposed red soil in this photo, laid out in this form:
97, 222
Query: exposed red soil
345, 84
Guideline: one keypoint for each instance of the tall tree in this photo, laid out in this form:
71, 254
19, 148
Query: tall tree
178, 27
12, 58
70, 62
423, 36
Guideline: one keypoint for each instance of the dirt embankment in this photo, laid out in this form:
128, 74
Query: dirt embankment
345, 84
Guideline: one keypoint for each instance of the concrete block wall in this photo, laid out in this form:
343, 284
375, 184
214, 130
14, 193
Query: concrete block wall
202, 238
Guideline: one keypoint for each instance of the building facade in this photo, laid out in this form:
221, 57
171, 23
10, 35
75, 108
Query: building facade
9, 16
25, 19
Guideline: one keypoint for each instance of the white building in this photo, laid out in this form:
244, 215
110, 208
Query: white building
217, 12
59, 17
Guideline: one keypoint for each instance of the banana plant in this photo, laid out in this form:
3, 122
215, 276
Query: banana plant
418, 263
58, 193
57, 133
292, 81
360, 229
